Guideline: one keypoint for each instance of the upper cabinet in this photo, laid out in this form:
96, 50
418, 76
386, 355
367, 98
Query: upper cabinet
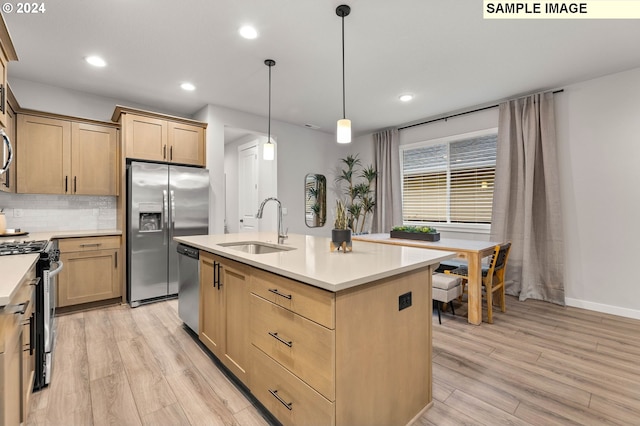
64, 156
158, 137
7, 53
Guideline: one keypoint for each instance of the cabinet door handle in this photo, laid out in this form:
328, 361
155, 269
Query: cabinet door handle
280, 339
7, 181
171, 153
75, 184
216, 275
282, 401
116, 260
164, 152
32, 333
277, 293
66, 183
219, 266
3, 97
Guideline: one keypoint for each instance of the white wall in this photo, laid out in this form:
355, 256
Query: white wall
598, 123
299, 151
57, 100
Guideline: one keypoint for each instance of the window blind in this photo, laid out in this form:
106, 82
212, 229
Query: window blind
450, 182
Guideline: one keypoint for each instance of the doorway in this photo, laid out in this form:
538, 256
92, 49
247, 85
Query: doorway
245, 191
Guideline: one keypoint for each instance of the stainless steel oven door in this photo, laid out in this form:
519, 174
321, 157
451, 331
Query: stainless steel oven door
50, 285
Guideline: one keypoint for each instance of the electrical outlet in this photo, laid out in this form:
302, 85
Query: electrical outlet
18, 213
404, 301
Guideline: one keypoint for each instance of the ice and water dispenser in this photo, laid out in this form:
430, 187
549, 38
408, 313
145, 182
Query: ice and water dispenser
150, 217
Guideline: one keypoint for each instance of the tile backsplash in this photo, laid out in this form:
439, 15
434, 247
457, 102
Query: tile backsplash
36, 213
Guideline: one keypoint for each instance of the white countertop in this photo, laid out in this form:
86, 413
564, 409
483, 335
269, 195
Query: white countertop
13, 268
52, 235
313, 263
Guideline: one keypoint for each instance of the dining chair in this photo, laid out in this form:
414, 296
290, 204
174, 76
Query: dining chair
492, 277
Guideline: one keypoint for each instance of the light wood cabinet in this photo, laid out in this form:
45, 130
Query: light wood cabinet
7, 53
91, 270
16, 360
186, 144
224, 307
59, 156
158, 137
312, 356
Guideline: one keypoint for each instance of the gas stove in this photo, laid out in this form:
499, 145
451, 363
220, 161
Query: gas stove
22, 247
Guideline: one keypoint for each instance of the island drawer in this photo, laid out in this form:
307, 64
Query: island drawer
68, 245
303, 347
311, 302
287, 397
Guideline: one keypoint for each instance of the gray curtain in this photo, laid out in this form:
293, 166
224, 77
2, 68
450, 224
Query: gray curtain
526, 200
388, 212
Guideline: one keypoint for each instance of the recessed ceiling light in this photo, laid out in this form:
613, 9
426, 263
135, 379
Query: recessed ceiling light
248, 32
406, 97
96, 61
188, 86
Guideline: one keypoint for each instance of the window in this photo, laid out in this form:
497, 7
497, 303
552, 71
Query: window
449, 180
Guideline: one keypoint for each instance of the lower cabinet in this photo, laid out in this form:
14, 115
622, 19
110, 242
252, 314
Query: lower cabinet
91, 270
312, 356
16, 356
224, 308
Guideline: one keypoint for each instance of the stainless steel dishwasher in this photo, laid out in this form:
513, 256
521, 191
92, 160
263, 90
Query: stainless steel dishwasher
189, 286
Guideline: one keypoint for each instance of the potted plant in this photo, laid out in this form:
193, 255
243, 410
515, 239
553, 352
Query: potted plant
358, 184
411, 232
341, 233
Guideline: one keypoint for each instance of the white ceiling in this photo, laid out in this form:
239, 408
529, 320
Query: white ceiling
442, 51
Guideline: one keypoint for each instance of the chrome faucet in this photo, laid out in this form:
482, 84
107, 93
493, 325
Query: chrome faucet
281, 234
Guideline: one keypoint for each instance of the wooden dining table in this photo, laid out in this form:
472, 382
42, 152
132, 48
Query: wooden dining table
472, 251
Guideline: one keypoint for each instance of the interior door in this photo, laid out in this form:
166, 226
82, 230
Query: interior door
248, 187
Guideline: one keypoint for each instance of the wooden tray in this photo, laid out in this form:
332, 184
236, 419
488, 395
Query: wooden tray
14, 234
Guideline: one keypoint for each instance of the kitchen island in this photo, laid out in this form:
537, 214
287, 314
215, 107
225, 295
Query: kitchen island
320, 337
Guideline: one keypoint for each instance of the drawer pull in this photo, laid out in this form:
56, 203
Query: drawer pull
277, 293
280, 339
282, 401
20, 308
91, 245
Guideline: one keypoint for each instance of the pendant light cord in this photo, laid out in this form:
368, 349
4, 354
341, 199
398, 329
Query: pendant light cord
344, 113
270, 63
269, 131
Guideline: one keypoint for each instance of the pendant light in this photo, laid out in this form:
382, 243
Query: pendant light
344, 125
269, 149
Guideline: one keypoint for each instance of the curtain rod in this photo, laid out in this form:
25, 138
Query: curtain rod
460, 113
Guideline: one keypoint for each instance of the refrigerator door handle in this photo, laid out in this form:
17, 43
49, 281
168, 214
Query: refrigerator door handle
172, 196
165, 212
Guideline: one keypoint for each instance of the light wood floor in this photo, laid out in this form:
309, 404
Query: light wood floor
538, 364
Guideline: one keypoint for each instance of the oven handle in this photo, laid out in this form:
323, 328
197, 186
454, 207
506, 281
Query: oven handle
57, 270
5, 140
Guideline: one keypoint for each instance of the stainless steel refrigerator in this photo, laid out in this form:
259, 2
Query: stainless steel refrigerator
163, 201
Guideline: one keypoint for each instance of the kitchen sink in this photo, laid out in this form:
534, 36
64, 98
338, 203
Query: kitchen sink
256, 247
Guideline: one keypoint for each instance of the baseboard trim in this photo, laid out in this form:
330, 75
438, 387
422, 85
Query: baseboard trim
601, 307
